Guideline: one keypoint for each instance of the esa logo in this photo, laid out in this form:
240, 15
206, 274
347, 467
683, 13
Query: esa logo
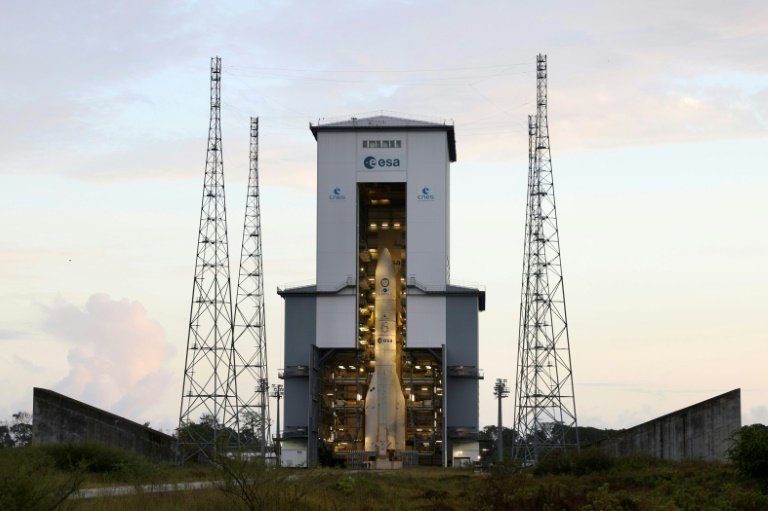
337, 194
425, 194
371, 162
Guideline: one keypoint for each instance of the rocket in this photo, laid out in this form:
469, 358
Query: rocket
385, 402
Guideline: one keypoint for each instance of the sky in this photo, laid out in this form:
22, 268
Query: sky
658, 115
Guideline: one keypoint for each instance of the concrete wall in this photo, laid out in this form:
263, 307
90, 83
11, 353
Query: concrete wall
57, 418
701, 431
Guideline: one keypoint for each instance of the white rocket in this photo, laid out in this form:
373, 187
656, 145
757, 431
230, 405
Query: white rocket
385, 402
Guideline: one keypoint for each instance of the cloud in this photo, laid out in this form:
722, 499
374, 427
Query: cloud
11, 335
118, 356
757, 415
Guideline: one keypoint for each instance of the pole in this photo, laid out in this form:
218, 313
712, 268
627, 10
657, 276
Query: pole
500, 390
277, 393
500, 443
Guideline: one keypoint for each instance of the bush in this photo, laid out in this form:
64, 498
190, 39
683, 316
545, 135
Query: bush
585, 462
99, 459
749, 451
29, 481
259, 487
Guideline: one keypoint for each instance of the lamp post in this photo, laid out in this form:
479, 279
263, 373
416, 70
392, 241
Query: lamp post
277, 393
500, 390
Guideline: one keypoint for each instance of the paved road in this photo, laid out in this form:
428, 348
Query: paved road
117, 491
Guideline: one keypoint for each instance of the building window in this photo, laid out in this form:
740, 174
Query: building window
382, 144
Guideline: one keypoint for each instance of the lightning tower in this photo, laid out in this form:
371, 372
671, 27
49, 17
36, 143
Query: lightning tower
208, 419
249, 328
545, 406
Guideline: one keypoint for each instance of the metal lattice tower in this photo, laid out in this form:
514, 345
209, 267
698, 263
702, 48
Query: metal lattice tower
545, 405
249, 323
208, 420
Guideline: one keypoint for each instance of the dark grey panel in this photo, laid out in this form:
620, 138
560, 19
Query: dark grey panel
296, 402
300, 328
461, 330
463, 405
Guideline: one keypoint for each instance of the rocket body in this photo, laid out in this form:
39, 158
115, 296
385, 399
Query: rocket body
385, 402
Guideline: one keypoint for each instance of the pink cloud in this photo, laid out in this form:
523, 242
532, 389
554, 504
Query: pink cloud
119, 357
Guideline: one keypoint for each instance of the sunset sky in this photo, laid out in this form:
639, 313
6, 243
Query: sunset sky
658, 116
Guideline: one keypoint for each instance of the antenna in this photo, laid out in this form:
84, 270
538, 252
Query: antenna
545, 405
249, 329
208, 420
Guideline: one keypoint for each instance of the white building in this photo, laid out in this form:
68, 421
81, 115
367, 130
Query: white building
382, 182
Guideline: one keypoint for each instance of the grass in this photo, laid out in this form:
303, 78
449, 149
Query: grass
35, 476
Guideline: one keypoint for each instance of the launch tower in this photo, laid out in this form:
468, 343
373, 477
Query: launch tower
250, 333
545, 406
208, 414
381, 354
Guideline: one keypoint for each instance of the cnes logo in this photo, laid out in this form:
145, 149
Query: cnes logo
371, 162
426, 194
337, 194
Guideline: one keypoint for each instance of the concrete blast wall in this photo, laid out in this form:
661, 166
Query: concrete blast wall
701, 431
57, 418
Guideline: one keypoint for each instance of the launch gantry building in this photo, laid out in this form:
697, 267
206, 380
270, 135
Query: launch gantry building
383, 183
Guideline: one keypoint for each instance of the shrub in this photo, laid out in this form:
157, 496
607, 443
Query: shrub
749, 451
261, 487
576, 463
29, 481
98, 458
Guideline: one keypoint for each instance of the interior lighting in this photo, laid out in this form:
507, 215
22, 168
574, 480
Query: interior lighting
428, 367
385, 225
341, 367
417, 367
396, 225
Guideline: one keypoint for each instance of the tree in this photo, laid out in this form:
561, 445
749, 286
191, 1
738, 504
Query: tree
749, 451
5, 436
21, 429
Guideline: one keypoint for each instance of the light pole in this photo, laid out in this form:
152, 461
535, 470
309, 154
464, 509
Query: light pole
277, 393
500, 390
263, 432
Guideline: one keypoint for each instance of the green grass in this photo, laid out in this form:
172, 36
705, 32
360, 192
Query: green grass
588, 482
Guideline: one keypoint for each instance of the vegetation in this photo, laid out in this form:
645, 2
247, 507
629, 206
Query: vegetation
749, 452
43, 477
17, 433
30, 481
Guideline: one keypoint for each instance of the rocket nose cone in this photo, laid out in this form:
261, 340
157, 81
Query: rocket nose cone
385, 257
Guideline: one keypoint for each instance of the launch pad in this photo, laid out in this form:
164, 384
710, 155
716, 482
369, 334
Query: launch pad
381, 353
